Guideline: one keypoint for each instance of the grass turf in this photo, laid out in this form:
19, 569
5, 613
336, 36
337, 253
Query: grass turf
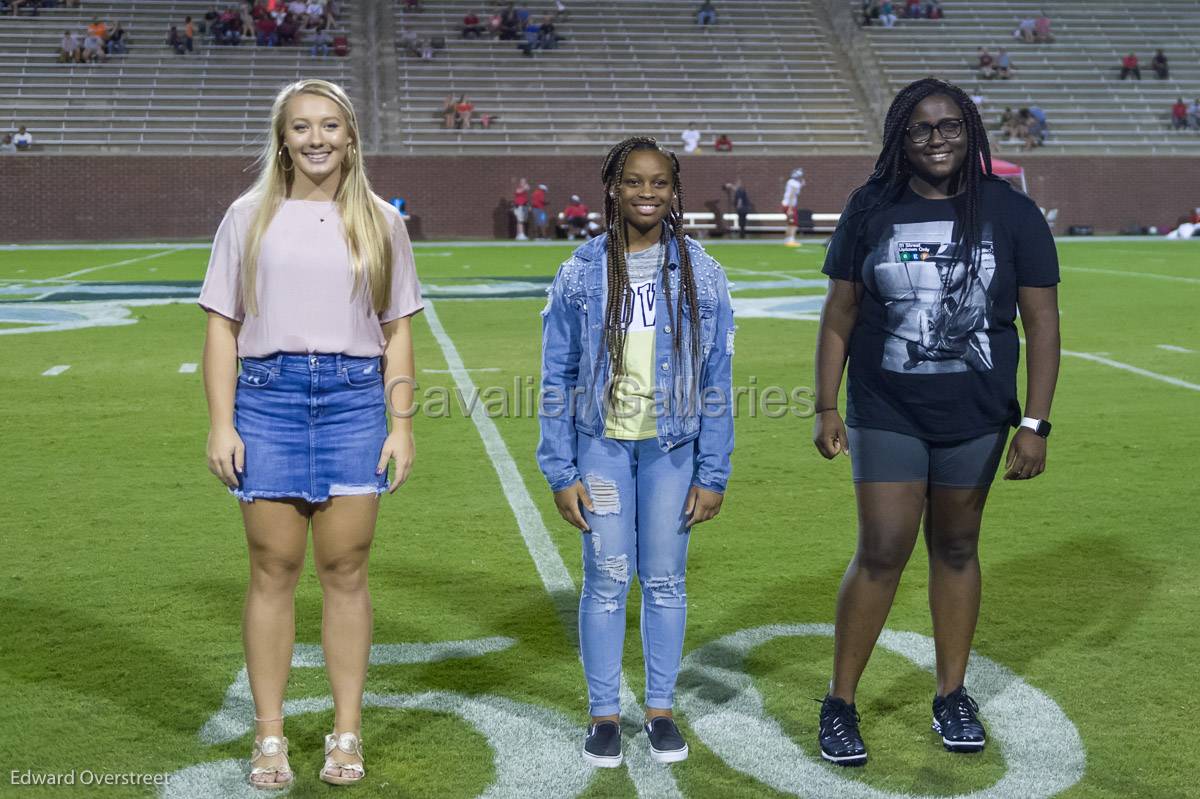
126, 564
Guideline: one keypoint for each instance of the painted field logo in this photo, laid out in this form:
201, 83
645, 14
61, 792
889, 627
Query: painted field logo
726, 711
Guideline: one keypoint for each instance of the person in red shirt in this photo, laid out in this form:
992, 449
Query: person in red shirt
576, 217
541, 227
471, 29
462, 112
1129, 66
723, 144
1179, 115
521, 207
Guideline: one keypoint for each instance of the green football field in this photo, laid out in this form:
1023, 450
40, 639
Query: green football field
125, 562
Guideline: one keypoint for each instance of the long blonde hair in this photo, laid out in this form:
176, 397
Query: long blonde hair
368, 234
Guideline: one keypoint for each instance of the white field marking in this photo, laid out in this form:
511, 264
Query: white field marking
91, 269
726, 711
1173, 348
801, 307
649, 780
234, 718
1120, 273
1137, 370
54, 371
472, 369
52, 316
187, 368
436, 254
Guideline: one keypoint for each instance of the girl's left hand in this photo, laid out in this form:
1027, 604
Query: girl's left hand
398, 447
702, 505
1026, 456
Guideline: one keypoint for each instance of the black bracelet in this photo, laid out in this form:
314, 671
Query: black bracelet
822, 410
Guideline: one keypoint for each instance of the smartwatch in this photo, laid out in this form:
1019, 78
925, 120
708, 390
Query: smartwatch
1039, 426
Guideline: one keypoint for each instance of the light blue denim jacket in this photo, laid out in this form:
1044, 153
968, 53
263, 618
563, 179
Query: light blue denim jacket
575, 369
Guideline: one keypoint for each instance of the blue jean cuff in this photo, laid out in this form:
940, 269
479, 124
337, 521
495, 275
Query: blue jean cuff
607, 709
660, 701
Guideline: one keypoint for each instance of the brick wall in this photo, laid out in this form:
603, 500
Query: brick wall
124, 197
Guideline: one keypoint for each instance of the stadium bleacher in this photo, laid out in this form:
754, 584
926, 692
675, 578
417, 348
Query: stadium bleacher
1074, 80
216, 99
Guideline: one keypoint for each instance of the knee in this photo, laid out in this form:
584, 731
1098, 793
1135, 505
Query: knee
882, 557
664, 591
606, 581
272, 572
956, 550
345, 572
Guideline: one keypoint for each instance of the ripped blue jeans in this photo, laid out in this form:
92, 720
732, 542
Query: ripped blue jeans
638, 528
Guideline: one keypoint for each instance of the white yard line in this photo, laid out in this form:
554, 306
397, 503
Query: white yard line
187, 368
54, 371
1137, 370
90, 269
1122, 273
1173, 348
650, 780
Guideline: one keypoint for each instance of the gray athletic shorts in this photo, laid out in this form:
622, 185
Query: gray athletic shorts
881, 456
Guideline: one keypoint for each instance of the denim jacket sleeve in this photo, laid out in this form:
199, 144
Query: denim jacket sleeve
560, 371
714, 445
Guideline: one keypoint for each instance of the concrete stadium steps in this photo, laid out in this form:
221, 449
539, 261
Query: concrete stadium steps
765, 75
1074, 79
217, 98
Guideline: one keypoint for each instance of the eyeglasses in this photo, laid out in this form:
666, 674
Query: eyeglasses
923, 131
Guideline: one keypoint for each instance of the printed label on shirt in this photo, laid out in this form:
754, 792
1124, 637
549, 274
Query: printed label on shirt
644, 301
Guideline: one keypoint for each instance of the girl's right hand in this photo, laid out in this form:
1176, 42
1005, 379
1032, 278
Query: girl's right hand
226, 454
829, 434
568, 501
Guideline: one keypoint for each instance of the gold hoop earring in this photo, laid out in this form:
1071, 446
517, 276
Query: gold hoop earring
282, 150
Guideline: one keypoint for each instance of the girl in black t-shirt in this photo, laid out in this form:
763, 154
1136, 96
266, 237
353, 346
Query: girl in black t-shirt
928, 266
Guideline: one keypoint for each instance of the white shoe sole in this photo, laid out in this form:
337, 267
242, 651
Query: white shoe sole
670, 756
846, 760
958, 746
603, 761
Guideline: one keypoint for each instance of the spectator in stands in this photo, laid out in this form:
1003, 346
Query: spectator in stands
462, 112
69, 49
1032, 128
265, 31
576, 216
6, 145
987, 64
1025, 30
175, 41
1129, 66
723, 144
541, 226
521, 207
509, 22
471, 29
869, 11
691, 138
189, 32
230, 26
1179, 115
1004, 65
486, 120
321, 41
739, 200
314, 14
24, 139
912, 9
212, 18
933, 10
887, 14
532, 41
1041, 29
1159, 65
289, 30
548, 37
447, 113
1007, 117
707, 14
410, 42
97, 28
117, 41
93, 49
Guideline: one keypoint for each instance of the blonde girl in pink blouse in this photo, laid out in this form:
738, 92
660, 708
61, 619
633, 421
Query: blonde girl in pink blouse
311, 285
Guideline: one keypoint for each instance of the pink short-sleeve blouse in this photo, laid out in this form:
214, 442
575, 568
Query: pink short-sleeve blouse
305, 286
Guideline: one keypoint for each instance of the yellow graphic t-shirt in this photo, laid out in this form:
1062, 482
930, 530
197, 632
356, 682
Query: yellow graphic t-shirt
632, 416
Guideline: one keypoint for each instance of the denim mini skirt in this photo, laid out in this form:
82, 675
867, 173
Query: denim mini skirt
313, 426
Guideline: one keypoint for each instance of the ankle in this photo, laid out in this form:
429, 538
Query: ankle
268, 726
614, 718
653, 713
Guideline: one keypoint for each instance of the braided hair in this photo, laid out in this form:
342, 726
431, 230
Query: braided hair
619, 309
893, 170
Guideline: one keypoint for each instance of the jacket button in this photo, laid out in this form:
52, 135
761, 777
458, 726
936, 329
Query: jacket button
665, 366
666, 328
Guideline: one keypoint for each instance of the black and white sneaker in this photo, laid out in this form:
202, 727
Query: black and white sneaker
603, 745
666, 743
955, 720
838, 736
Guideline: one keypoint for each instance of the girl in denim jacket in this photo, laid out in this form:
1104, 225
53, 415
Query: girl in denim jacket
636, 428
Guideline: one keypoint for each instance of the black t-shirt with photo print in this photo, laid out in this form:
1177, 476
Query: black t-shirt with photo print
934, 350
